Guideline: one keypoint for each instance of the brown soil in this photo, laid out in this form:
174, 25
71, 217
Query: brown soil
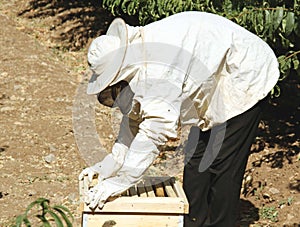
43, 47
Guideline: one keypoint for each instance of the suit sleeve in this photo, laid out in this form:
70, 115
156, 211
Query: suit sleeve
160, 115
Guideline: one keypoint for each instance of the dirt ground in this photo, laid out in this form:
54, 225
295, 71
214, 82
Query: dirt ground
43, 60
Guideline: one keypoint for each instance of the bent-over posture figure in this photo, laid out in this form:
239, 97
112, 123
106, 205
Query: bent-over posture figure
191, 68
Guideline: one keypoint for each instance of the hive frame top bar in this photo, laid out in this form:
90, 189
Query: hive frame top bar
157, 194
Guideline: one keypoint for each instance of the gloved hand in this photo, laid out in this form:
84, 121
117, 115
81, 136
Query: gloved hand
108, 166
98, 195
90, 172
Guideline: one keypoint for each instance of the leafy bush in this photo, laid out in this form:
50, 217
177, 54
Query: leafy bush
275, 21
46, 214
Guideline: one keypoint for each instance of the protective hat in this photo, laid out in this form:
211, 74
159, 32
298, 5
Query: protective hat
106, 56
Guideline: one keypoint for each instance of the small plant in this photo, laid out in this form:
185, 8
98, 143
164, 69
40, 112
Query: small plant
46, 214
290, 201
269, 213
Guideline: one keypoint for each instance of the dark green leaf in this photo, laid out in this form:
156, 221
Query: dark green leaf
297, 26
68, 222
59, 207
296, 62
57, 220
259, 24
285, 65
39, 201
275, 92
280, 59
124, 6
284, 41
278, 16
26, 222
160, 7
45, 206
268, 32
132, 8
268, 17
19, 220
46, 223
290, 21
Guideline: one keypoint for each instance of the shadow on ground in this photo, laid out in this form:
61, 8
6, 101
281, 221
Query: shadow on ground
72, 23
281, 126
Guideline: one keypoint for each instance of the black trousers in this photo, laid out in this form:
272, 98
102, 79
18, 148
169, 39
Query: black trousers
213, 193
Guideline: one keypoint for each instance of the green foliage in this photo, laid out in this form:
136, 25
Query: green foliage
46, 215
275, 21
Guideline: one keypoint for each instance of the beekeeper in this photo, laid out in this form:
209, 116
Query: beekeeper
191, 68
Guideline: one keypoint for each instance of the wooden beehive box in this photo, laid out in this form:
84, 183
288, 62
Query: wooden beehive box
153, 202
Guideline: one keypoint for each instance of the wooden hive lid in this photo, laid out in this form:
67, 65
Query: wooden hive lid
150, 195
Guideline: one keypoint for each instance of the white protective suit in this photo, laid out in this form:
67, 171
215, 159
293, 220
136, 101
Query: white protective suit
195, 68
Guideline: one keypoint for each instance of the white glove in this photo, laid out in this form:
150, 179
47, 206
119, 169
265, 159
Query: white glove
90, 172
108, 166
103, 169
98, 195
